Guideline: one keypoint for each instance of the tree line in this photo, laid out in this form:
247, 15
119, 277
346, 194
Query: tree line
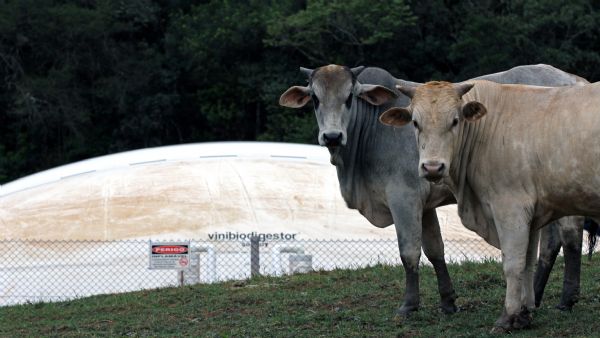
83, 78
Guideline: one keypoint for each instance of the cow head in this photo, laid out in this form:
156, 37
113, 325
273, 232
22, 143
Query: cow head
437, 113
333, 90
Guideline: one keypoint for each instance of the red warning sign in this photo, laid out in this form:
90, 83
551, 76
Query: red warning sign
169, 249
169, 255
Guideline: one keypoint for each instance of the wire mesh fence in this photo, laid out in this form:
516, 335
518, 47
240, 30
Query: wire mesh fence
36, 271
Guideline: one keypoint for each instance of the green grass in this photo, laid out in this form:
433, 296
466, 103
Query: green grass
343, 303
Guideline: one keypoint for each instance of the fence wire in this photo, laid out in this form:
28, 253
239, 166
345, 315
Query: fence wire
45, 271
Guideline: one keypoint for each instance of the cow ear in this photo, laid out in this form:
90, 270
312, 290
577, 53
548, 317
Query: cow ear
407, 90
374, 94
396, 117
295, 97
473, 111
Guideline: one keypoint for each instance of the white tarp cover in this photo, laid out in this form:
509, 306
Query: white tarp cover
192, 191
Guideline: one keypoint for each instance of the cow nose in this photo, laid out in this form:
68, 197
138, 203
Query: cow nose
332, 138
433, 169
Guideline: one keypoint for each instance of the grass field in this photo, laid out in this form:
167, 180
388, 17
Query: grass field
342, 303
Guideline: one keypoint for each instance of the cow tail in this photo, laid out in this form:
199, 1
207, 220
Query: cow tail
592, 237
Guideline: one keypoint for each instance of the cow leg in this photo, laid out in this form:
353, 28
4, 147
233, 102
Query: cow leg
514, 239
571, 236
433, 246
527, 293
407, 220
549, 248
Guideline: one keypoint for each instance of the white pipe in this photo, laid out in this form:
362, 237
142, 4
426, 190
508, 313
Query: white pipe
212, 260
276, 252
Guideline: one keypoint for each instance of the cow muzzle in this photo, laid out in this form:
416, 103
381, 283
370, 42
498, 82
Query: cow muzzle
433, 171
332, 138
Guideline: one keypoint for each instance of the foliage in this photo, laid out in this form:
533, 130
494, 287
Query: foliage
504, 33
82, 78
341, 32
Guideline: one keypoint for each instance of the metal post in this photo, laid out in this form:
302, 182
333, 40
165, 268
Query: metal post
254, 256
181, 278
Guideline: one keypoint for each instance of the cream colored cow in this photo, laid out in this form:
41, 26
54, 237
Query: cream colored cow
516, 157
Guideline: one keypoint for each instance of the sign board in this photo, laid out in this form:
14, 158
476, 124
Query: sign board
169, 255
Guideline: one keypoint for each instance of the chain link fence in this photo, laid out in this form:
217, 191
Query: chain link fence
36, 271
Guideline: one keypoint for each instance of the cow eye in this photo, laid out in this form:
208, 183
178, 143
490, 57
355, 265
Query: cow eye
349, 101
315, 100
415, 124
455, 122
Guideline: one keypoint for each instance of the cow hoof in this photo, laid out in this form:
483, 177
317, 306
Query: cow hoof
522, 320
447, 303
564, 307
499, 330
502, 325
567, 305
449, 308
518, 321
405, 310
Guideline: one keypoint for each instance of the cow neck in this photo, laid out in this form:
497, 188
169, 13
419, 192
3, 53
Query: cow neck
462, 154
351, 159
470, 135
463, 167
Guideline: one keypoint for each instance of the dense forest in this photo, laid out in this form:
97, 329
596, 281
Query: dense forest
91, 77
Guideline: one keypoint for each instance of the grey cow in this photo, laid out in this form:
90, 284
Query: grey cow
383, 187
